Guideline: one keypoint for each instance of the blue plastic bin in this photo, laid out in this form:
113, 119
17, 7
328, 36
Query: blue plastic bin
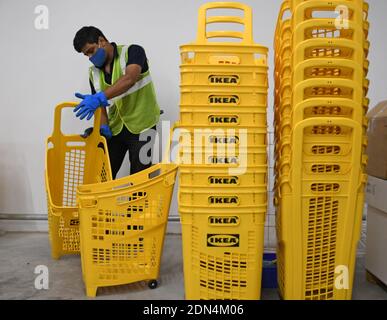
269, 272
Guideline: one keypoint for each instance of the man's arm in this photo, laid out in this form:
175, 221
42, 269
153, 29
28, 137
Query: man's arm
104, 116
123, 84
135, 65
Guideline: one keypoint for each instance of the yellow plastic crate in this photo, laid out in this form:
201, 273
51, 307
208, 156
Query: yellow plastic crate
222, 137
222, 255
219, 178
71, 161
238, 159
242, 197
224, 75
254, 116
223, 98
122, 227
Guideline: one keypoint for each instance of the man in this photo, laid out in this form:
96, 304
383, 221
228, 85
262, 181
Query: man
120, 79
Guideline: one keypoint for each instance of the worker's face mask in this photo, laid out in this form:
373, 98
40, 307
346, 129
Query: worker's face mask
99, 58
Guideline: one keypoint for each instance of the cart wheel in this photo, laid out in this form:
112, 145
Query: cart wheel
153, 284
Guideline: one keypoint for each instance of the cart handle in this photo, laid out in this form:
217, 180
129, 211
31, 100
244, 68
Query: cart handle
246, 36
58, 118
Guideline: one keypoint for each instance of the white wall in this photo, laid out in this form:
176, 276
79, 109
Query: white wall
41, 69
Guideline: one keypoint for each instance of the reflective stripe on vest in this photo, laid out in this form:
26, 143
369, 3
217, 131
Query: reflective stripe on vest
96, 79
137, 86
124, 50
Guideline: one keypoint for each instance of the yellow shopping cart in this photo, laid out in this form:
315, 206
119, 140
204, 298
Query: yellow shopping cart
71, 161
122, 227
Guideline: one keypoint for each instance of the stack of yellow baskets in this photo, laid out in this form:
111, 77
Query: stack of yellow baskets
223, 162
321, 67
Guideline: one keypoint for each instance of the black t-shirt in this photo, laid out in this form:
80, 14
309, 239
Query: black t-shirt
136, 55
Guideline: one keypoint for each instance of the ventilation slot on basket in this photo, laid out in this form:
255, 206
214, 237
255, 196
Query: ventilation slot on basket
323, 33
328, 111
73, 176
326, 91
103, 174
69, 236
325, 187
326, 52
132, 210
331, 130
120, 252
325, 72
232, 269
326, 168
328, 150
321, 248
131, 197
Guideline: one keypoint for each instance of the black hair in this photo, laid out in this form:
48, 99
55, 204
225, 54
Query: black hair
86, 35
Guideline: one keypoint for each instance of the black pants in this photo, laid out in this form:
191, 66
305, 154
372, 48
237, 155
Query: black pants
125, 141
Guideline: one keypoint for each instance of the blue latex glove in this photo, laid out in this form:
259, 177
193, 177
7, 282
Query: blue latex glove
89, 104
104, 131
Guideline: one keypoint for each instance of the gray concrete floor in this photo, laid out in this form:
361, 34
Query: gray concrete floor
20, 253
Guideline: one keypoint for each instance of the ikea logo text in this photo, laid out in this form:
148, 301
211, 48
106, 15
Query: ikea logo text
223, 240
223, 160
234, 99
223, 140
223, 180
223, 200
223, 120
221, 79
234, 221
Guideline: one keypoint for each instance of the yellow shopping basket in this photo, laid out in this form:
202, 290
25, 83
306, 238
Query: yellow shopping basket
238, 198
223, 253
220, 178
122, 228
223, 98
219, 75
253, 116
225, 137
71, 161
322, 205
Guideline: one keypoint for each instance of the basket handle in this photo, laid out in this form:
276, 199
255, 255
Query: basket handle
246, 36
58, 118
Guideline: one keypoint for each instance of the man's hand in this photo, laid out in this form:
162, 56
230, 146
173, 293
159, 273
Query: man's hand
89, 104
